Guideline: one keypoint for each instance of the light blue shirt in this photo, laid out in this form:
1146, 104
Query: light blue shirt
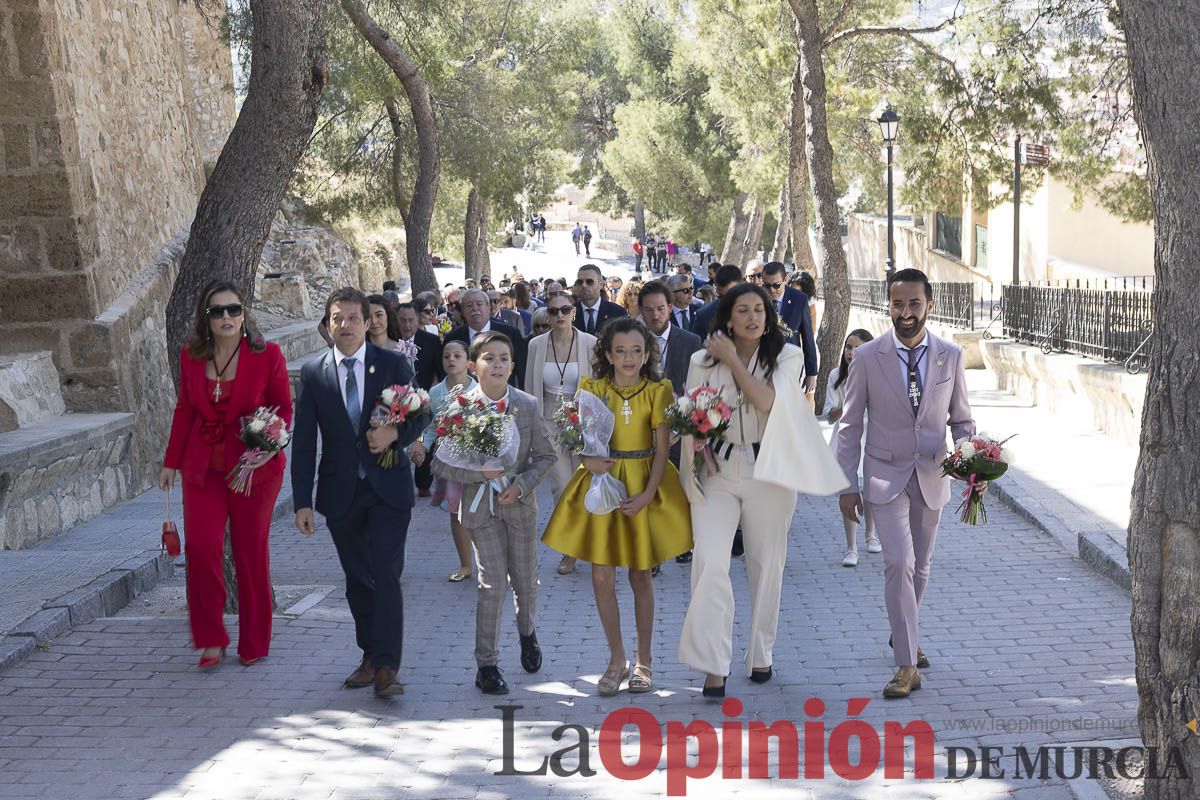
438, 396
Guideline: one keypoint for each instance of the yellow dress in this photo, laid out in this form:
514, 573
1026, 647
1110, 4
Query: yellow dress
661, 530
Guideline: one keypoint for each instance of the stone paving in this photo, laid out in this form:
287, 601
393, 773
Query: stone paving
1021, 636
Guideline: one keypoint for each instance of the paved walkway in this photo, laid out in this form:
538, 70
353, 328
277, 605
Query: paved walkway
1028, 647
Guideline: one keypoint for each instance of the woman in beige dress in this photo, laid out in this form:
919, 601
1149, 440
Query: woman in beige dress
556, 362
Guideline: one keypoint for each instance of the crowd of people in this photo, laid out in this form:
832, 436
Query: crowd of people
523, 348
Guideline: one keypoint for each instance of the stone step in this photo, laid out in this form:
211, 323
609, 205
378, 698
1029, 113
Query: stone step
60, 471
29, 390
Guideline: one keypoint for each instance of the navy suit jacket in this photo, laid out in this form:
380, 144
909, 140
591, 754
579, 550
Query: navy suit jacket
520, 347
608, 310
703, 319
429, 359
795, 314
343, 445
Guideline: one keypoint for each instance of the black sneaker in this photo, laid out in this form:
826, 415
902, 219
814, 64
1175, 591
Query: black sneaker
685, 558
655, 570
739, 548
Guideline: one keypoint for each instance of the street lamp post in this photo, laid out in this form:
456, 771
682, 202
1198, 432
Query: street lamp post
889, 126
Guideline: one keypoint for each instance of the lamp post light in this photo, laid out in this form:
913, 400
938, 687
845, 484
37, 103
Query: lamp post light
889, 126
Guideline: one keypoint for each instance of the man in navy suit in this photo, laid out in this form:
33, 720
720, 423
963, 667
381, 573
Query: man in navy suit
366, 508
684, 303
476, 310
725, 277
592, 310
792, 307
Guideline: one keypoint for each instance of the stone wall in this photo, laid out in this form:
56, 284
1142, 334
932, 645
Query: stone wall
108, 114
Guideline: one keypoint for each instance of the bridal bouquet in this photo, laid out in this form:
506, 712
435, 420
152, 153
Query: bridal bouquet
704, 415
477, 435
264, 433
975, 459
394, 406
585, 427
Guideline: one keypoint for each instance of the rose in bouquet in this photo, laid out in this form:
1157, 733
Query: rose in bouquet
394, 406
264, 433
976, 460
704, 415
478, 435
569, 430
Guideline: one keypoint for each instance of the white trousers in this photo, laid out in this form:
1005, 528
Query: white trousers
764, 512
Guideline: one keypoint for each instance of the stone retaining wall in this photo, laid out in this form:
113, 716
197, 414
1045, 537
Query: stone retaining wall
59, 473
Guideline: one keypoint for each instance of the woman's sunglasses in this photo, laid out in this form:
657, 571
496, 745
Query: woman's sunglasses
216, 312
564, 310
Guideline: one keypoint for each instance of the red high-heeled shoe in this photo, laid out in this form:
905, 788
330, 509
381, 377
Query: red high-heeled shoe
249, 662
209, 662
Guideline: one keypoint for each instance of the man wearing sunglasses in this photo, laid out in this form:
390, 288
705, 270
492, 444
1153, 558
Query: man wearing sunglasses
684, 303
792, 307
592, 310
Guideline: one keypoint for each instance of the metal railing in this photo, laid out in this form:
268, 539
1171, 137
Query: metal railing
1111, 324
953, 303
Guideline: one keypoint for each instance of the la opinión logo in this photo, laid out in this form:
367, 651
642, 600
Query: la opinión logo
742, 749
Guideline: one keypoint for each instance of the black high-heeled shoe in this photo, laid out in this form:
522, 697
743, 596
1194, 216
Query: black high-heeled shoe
715, 692
761, 675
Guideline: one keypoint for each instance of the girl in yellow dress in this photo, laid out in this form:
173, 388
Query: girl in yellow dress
654, 524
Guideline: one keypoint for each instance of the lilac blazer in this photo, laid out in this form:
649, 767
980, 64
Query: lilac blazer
897, 442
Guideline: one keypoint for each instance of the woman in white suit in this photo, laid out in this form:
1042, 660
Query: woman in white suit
556, 362
772, 450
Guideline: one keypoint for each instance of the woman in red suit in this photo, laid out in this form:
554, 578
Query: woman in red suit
226, 371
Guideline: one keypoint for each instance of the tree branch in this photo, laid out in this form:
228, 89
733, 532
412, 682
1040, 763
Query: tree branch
886, 30
838, 21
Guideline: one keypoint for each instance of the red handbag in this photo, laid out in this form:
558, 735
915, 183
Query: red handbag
170, 533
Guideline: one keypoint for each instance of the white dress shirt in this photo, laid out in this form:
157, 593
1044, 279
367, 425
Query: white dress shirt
902, 357
487, 326
595, 320
360, 372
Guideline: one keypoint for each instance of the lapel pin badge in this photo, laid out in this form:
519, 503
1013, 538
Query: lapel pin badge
372, 369
941, 360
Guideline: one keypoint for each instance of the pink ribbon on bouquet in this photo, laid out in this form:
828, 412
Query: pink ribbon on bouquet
970, 486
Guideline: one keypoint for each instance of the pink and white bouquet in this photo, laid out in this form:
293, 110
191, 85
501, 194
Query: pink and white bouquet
585, 428
394, 406
568, 427
477, 435
264, 433
704, 415
408, 348
976, 459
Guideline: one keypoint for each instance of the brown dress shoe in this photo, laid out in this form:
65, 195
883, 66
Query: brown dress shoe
362, 676
906, 681
922, 660
386, 684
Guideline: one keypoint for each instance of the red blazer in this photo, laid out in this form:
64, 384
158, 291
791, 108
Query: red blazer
262, 380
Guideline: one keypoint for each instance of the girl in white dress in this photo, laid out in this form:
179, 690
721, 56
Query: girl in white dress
835, 396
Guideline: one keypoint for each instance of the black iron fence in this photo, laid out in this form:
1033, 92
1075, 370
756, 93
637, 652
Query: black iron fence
1110, 324
953, 303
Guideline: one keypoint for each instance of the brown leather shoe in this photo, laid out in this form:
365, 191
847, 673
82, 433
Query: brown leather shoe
906, 681
362, 676
922, 661
386, 684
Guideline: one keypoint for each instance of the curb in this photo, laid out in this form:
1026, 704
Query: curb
102, 597
1095, 548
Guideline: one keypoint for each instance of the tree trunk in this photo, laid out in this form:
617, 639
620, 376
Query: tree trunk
420, 217
753, 234
802, 255
639, 222
819, 155
251, 176
400, 194
783, 228
475, 237
735, 237
1164, 527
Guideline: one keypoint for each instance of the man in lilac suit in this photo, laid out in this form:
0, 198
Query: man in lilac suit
906, 387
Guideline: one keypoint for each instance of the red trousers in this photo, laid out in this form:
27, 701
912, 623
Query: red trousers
205, 511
